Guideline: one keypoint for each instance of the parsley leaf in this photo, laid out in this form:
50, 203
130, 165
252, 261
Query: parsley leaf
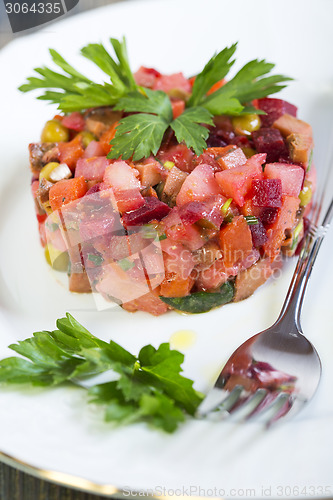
149, 388
138, 136
79, 92
246, 86
215, 70
188, 129
146, 101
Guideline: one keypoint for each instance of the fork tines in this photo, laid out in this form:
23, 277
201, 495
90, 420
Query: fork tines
263, 405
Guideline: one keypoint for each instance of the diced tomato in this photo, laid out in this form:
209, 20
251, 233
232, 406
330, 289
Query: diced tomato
168, 83
65, 191
285, 220
178, 107
180, 155
216, 86
146, 77
233, 158
291, 177
70, 152
107, 138
93, 149
74, 121
199, 185
236, 241
92, 168
236, 182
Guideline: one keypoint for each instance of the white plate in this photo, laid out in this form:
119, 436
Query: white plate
53, 430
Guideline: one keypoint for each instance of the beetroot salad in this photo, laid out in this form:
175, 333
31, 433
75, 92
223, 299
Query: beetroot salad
162, 192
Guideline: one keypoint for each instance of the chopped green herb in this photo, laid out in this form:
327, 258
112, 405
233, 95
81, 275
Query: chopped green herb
149, 387
225, 208
310, 161
251, 220
96, 259
125, 264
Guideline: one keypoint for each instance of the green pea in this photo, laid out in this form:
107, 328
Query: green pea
54, 131
246, 124
306, 194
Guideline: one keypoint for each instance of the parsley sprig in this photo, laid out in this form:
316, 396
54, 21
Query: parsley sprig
77, 92
149, 387
140, 134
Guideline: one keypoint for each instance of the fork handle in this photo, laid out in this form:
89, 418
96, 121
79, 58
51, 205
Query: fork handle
291, 309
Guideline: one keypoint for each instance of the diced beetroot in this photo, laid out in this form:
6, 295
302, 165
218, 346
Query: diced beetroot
153, 209
236, 182
269, 215
234, 158
191, 212
274, 109
92, 168
74, 121
241, 141
259, 235
207, 212
267, 193
199, 185
270, 141
146, 77
215, 141
93, 149
180, 155
291, 176
171, 82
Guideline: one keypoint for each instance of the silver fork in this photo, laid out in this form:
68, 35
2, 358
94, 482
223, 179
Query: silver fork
277, 371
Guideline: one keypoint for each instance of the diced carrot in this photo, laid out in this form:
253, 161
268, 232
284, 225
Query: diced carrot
235, 241
285, 220
217, 152
59, 118
107, 138
216, 86
249, 209
178, 107
70, 152
65, 191
176, 286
